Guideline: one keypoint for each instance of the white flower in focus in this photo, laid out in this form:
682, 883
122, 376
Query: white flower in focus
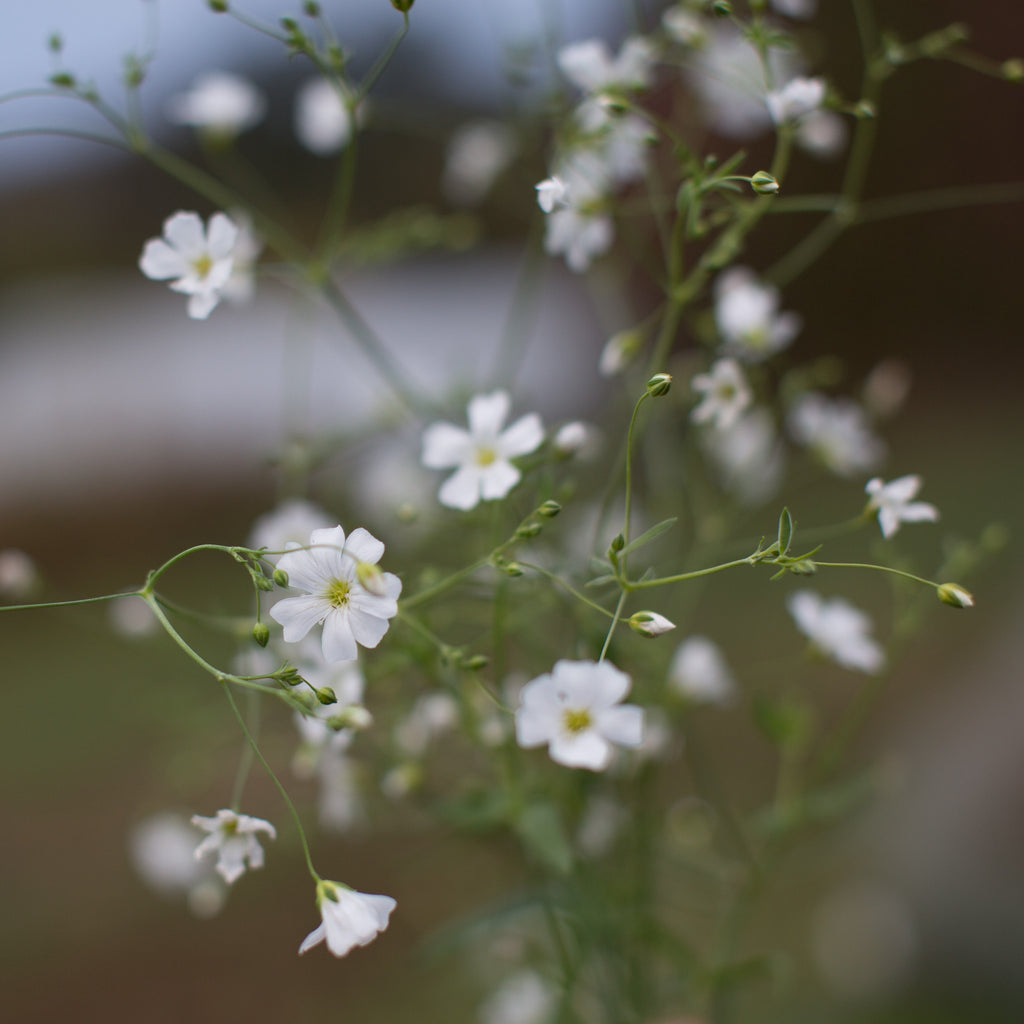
323, 121
344, 590
220, 103
699, 672
577, 711
477, 154
18, 575
725, 394
798, 97
748, 318
837, 629
836, 431
748, 456
522, 998
291, 523
201, 261
796, 8
590, 65
893, 501
233, 837
482, 454
350, 918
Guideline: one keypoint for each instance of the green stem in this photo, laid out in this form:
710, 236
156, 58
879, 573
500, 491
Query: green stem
68, 604
245, 762
632, 585
879, 568
615, 621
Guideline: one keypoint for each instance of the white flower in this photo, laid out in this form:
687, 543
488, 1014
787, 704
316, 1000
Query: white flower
571, 437
893, 501
345, 591
477, 153
699, 672
132, 617
339, 801
799, 96
18, 575
684, 26
590, 65
522, 998
319, 735
577, 711
837, 431
577, 225
821, 133
650, 624
431, 716
726, 394
619, 351
323, 121
748, 456
350, 918
290, 523
233, 838
748, 318
551, 192
482, 454
200, 261
219, 103
837, 629
248, 245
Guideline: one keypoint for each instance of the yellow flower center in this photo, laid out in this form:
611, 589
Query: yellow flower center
485, 456
577, 721
203, 265
338, 593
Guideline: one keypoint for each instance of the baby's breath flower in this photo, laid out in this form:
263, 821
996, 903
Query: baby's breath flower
477, 154
748, 318
349, 918
894, 503
837, 629
291, 522
522, 998
233, 838
725, 394
578, 225
650, 624
836, 431
323, 121
799, 96
590, 65
955, 596
698, 672
219, 103
18, 575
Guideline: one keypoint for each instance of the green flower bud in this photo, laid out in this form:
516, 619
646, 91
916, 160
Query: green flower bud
805, 567
764, 184
63, 80
372, 579
288, 676
289, 25
218, 6
659, 385
55, 43
261, 634
528, 530
281, 577
549, 509
618, 543
721, 8
405, 6
955, 596
262, 583
513, 569
312, 8
353, 717
326, 695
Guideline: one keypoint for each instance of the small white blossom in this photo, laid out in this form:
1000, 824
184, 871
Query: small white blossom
132, 617
522, 998
200, 261
349, 918
482, 454
577, 711
725, 394
571, 437
340, 798
748, 456
836, 431
590, 65
551, 192
886, 388
219, 103
748, 318
698, 672
619, 351
650, 624
837, 629
334, 573
477, 154
233, 837
578, 225
291, 522
799, 96
323, 120
894, 503
18, 575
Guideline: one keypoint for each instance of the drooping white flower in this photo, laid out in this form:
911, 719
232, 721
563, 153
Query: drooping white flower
291, 522
893, 501
522, 998
482, 454
349, 918
748, 318
798, 97
477, 154
577, 711
233, 837
699, 673
748, 456
836, 431
200, 260
220, 103
590, 65
837, 629
323, 120
344, 590
725, 394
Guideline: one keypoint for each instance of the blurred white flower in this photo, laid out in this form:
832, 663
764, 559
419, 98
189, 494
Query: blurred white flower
132, 617
219, 102
577, 711
602, 820
886, 388
482, 455
319, 735
893, 501
340, 798
578, 225
292, 522
619, 351
685, 26
323, 120
822, 133
233, 837
799, 96
571, 438
201, 262
748, 318
837, 629
336, 573
477, 154
725, 394
590, 65
748, 456
836, 431
699, 673
241, 285
18, 575
349, 918
432, 715
522, 998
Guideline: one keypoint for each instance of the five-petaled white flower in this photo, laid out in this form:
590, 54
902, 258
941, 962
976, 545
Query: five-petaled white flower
345, 589
233, 838
893, 501
200, 260
577, 711
219, 103
748, 318
482, 454
837, 629
725, 394
350, 918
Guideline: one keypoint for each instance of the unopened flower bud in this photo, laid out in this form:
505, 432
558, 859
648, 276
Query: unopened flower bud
281, 577
528, 530
659, 385
1013, 70
864, 109
311, 8
805, 567
570, 438
955, 596
261, 634
405, 6
326, 695
618, 543
289, 676
650, 624
549, 509
764, 184
476, 663
55, 43
63, 80
513, 569
372, 579
289, 25
218, 6
262, 583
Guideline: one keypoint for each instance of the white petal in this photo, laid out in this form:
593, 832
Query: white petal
462, 489
298, 615
445, 445
497, 479
582, 750
221, 236
185, 232
533, 727
202, 304
523, 437
367, 629
338, 642
919, 512
160, 262
314, 938
487, 414
364, 547
623, 725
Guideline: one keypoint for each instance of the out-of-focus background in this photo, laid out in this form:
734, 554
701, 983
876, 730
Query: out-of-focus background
130, 432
